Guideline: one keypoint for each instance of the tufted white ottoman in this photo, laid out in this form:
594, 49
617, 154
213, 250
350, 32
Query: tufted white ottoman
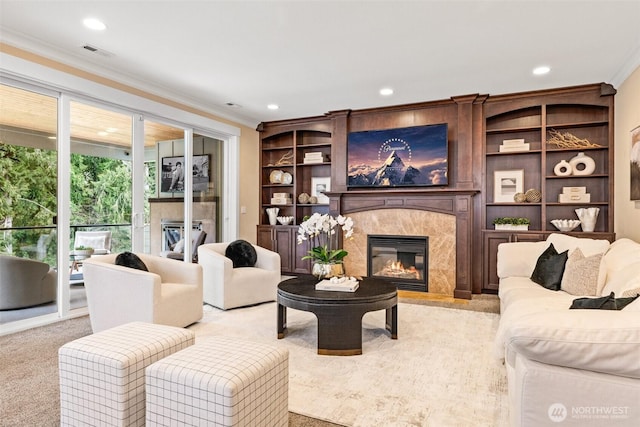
102, 375
221, 381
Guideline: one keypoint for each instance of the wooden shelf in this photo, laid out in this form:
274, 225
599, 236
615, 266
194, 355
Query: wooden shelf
277, 139
586, 114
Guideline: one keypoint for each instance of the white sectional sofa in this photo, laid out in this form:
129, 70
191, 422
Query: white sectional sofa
570, 367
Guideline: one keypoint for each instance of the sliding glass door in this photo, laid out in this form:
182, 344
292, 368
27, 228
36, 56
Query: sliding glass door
79, 175
28, 204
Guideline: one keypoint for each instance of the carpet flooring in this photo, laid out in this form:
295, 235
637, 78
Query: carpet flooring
29, 378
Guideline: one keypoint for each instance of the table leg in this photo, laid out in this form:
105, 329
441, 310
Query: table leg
340, 332
391, 323
282, 321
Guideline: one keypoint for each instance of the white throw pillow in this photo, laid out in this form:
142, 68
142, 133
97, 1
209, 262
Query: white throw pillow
179, 247
622, 253
582, 275
622, 280
589, 247
518, 259
94, 242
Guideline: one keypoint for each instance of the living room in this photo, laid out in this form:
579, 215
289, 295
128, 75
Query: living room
462, 106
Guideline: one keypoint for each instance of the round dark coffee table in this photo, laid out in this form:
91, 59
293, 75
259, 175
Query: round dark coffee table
339, 313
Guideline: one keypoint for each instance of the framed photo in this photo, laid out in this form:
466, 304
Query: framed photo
172, 178
507, 184
318, 187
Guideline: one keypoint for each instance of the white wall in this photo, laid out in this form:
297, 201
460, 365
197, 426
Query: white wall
627, 117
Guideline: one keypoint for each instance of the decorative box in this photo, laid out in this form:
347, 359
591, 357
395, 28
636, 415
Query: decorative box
574, 190
574, 198
281, 201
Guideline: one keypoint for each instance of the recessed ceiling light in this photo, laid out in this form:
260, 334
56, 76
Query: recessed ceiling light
538, 71
272, 106
386, 91
94, 24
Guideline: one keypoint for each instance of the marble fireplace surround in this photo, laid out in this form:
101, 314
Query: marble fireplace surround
445, 216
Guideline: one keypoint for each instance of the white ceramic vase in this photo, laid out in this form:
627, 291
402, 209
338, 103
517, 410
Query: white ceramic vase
588, 218
563, 168
273, 215
582, 164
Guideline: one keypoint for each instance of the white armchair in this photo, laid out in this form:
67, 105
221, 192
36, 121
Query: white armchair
170, 293
226, 287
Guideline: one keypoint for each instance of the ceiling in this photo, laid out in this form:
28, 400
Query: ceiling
312, 57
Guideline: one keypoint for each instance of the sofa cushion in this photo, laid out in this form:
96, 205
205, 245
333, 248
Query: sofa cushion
518, 258
563, 242
131, 260
621, 254
582, 274
622, 280
549, 268
595, 340
241, 253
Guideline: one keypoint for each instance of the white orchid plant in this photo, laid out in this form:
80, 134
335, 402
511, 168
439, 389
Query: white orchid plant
320, 230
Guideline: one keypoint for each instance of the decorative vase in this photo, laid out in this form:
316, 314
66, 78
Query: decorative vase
563, 168
323, 270
273, 215
588, 218
582, 164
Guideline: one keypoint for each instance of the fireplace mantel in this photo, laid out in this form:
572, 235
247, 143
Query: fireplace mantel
448, 201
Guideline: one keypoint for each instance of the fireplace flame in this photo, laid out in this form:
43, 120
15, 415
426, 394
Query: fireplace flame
396, 269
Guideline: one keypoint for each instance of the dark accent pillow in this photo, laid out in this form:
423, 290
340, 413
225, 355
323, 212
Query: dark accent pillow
131, 260
242, 253
609, 302
550, 268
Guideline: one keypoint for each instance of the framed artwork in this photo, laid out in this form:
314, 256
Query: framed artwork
318, 187
507, 184
172, 178
635, 164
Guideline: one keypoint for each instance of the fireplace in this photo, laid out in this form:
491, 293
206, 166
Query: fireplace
402, 260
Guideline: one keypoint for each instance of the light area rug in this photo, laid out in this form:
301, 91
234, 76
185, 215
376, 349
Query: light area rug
439, 372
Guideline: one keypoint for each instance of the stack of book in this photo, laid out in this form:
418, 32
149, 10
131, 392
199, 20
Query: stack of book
281, 199
342, 284
514, 145
313, 157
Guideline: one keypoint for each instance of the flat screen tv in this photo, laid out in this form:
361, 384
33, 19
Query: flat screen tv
405, 157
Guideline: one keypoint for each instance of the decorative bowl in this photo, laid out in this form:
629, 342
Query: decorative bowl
565, 224
286, 220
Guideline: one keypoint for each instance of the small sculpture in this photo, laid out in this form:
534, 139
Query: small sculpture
533, 196
303, 198
519, 198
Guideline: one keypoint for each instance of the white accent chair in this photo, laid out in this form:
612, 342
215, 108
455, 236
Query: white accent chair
226, 287
170, 293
